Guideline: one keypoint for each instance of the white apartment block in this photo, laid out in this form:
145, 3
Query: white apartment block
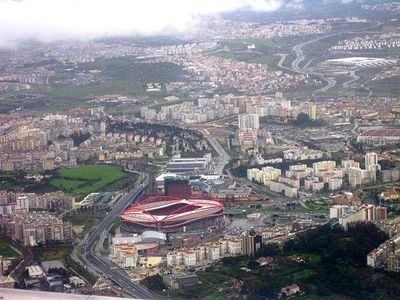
209, 252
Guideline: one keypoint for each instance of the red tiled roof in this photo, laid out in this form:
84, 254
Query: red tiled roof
394, 132
341, 200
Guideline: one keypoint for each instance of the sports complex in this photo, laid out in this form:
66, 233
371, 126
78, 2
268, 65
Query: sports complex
172, 214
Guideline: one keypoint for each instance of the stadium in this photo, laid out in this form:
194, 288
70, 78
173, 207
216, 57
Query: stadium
172, 214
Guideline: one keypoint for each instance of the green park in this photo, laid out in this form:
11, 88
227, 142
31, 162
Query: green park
90, 178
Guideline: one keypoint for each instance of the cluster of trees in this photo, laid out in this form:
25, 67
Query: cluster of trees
338, 245
303, 120
334, 266
77, 137
17, 182
342, 268
337, 270
154, 283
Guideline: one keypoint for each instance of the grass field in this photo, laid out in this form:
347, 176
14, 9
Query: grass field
269, 60
225, 55
87, 178
6, 250
302, 274
243, 43
122, 76
265, 59
82, 224
50, 252
388, 87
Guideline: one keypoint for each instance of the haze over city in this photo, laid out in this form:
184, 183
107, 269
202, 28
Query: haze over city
47, 20
227, 149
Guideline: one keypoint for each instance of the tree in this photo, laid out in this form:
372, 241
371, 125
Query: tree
271, 249
154, 283
79, 137
253, 264
303, 120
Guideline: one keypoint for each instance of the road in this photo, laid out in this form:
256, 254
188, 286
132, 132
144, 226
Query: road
300, 57
223, 156
103, 266
224, 159
281, 61
275, 198
354, 78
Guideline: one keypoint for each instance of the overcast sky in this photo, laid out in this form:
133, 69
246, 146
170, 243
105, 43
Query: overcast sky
49, 20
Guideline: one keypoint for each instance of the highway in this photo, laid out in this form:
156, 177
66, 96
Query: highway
224, 159
103, 266
223, 156
300, 57
275, 198
354, 78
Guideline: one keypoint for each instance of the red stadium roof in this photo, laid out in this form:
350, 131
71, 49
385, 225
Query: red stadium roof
168, 211
394, 132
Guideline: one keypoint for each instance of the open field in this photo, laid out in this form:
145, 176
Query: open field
265, 59
238, 51
270, 60
388, 87
6, 250
84, 224
121, 76
136, 72
88, 178
243, 43
225, 54
311, 208
51, 252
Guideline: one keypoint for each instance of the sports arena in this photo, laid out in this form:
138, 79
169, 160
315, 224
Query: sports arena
172, 214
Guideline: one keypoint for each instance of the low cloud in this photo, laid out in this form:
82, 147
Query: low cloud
49, 20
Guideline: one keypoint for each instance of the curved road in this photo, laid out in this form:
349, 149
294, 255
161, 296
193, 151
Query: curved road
300, 57
353, 79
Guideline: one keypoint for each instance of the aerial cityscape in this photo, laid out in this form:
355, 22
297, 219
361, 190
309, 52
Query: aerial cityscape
198, 149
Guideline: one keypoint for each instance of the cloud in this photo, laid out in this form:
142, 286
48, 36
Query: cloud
295, 4
49, 20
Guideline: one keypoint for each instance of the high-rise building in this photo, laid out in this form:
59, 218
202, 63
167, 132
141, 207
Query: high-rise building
312, 111
103, 127
367, 212
338, 211
252, 243
247, 121
177, 187
371, 161
23, 203
372, 166
36, 228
